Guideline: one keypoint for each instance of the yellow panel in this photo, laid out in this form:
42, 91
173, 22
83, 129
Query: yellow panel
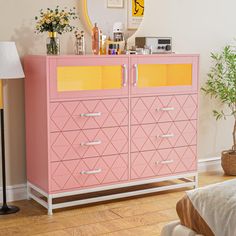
73, 78
152, 75
179, 75
157, 75
1, 95
111, 77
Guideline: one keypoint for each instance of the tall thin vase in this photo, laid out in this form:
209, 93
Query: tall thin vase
53, 44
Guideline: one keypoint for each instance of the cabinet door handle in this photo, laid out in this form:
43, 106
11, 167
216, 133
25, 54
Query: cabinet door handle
136, 75
97, 114
91, 172
125, 75
94, 143
167, 162
167, 136
166, 109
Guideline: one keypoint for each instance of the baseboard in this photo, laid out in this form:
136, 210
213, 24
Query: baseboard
19, 192
210, 164
15, 192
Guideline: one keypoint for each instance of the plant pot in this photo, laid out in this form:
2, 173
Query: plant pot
228, 162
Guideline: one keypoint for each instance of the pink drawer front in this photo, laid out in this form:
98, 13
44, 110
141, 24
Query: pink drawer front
163, 162
89, 114
73, 145
147, 110
163, 135
89, 172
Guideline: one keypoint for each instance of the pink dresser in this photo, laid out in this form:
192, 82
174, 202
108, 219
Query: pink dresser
96, 123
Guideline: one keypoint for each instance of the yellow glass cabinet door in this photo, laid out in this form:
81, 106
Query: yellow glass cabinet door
87, 76
163, 74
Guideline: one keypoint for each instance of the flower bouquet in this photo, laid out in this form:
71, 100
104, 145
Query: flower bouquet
55, 21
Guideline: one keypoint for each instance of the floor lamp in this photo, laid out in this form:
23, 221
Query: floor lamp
10, 68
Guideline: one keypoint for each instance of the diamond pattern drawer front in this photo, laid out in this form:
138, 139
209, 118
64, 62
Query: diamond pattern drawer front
147, 110
88, 143
163, 135
163, 162
89, 172
90, 114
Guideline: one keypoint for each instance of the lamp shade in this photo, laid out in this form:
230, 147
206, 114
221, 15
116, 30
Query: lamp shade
10, 65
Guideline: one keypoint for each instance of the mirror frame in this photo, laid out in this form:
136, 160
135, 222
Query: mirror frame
85, 17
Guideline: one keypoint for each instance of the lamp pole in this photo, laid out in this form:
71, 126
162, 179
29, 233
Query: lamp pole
10, 68
5, 209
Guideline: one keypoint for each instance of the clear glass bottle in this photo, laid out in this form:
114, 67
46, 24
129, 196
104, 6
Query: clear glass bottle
80, 44
95, 40
53, 44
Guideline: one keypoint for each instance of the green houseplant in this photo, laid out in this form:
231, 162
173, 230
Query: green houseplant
221, 85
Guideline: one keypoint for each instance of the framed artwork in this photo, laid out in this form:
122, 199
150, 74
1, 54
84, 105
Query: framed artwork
115, 3
135, 13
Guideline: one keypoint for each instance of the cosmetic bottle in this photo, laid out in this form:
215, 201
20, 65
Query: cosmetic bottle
95, 40
103, 39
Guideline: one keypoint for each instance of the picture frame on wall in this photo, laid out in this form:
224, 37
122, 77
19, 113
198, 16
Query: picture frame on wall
135, 13
115, 3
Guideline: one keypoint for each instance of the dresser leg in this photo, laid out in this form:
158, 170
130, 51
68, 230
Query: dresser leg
50, 213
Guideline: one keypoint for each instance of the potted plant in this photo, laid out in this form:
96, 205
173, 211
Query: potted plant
55, 21
221, 85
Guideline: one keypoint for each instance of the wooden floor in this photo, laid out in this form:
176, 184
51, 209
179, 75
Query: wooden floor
143, 215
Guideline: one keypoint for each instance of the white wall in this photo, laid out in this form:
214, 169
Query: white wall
198, 26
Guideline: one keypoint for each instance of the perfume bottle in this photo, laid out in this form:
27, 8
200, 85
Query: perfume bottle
103, 39
95, 40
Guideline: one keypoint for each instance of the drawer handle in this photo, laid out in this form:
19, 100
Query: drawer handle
97, 114
167, 162
94, 143
164, 162
136, 75
125, 75
167, 136
166, 109
91, 172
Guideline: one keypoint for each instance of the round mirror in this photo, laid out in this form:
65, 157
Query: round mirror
113, 16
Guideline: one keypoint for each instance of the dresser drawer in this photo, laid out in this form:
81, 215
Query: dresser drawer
89, 114
74, 145
147, 110
89, 172
163, 135
163, 162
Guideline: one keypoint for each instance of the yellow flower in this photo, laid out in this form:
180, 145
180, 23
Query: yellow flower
62, 22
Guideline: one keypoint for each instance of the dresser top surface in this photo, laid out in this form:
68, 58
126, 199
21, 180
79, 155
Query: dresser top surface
112, 56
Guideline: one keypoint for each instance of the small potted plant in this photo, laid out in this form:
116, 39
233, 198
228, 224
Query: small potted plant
55, 21
221, 85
